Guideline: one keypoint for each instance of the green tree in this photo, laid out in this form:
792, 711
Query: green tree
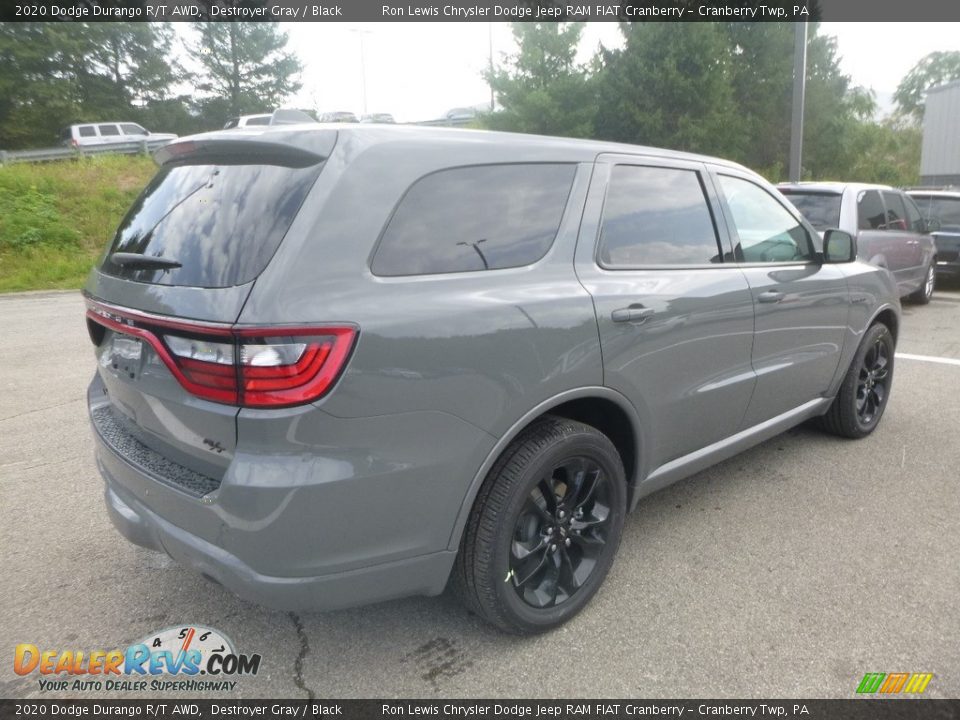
245, 67
935, 69
670, 86
55, 74
542, 89
39, 84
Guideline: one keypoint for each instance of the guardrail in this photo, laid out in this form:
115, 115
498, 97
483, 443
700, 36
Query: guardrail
143, 147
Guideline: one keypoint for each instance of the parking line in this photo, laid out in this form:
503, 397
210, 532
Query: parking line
928, 358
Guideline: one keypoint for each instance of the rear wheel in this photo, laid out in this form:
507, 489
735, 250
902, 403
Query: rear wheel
925, 292
865, 390
545, 528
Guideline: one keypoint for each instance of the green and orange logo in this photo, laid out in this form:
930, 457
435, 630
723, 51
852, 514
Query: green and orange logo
894, 683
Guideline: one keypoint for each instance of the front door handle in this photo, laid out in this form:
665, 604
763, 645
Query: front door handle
634, 313
770, 296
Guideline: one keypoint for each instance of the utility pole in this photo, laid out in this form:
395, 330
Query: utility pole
799, 89
490, 58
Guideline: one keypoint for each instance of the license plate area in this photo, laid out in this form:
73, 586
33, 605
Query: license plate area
124, 356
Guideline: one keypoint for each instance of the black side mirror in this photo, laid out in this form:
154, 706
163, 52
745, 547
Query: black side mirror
839, 247
932, 225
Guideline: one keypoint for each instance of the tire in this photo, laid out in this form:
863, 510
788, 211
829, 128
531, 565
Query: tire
865, 391
925, 291
531, 558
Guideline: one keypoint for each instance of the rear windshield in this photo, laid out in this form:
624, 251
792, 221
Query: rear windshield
822, 210
222, 223
945, 209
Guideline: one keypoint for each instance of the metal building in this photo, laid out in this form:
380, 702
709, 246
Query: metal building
940, 154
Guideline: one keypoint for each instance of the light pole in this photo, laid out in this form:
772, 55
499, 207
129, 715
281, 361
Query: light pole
363, 66
799, 86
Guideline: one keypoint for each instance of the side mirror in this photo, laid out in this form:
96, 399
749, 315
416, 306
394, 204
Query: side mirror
839, 247
932, 225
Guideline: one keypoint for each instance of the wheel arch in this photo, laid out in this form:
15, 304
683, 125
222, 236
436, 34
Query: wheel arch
888, 317
603, 408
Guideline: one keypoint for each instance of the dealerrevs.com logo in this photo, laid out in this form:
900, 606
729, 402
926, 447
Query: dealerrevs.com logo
183, 652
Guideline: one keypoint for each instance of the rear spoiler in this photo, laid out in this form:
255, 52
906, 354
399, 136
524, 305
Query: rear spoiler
241, 151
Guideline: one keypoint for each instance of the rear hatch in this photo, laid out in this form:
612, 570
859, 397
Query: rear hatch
164, 298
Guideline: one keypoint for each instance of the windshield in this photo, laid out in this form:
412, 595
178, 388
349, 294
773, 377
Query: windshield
222, 223
822, 210
946, 209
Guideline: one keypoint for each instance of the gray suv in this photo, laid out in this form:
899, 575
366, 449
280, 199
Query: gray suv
338, 365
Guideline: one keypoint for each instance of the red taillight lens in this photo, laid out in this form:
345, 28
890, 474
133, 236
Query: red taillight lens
290, 367
250, 367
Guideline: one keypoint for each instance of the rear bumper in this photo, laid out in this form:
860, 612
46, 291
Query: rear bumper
314, 511
948, 270
423, 575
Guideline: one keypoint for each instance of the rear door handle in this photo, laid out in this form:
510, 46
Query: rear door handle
770, 296
634, 313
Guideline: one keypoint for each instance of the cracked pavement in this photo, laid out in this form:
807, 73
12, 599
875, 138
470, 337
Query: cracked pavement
789, 570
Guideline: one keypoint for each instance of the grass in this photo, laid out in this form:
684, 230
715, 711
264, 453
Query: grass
56, 218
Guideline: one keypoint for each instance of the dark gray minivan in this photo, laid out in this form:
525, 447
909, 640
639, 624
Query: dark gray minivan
340, 364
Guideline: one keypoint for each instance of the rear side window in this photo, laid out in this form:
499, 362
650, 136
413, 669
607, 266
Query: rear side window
870, 212
484, 217
656, 216
822, 210
259, 121
896, 212
106, 130
87, 131
223, 223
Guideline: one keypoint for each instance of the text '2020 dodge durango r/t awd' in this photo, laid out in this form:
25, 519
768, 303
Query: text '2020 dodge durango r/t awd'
342, 364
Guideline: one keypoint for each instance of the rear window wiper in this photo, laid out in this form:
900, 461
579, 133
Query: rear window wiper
138, 260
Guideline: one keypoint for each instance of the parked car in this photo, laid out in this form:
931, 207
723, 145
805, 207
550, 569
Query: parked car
382, 118
242, 121
461, 113
107, 133
941, 211
341, 365
888, 226
338, 117
280, 116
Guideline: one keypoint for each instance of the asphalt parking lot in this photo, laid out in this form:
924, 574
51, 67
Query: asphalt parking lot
788, 571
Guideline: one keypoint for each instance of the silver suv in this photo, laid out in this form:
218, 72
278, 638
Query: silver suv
340, 365
108, 133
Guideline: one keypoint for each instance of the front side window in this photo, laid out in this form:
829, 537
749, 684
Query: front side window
870, 212
896, 212
767, 231
656, 216
483, 217
106, 130
259, 121
132, 129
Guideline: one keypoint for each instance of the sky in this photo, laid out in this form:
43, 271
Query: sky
419, 71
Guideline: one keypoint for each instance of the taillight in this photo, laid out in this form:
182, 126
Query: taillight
250, 367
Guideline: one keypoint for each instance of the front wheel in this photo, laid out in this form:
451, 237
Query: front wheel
925, 292
545, 527
865, 390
